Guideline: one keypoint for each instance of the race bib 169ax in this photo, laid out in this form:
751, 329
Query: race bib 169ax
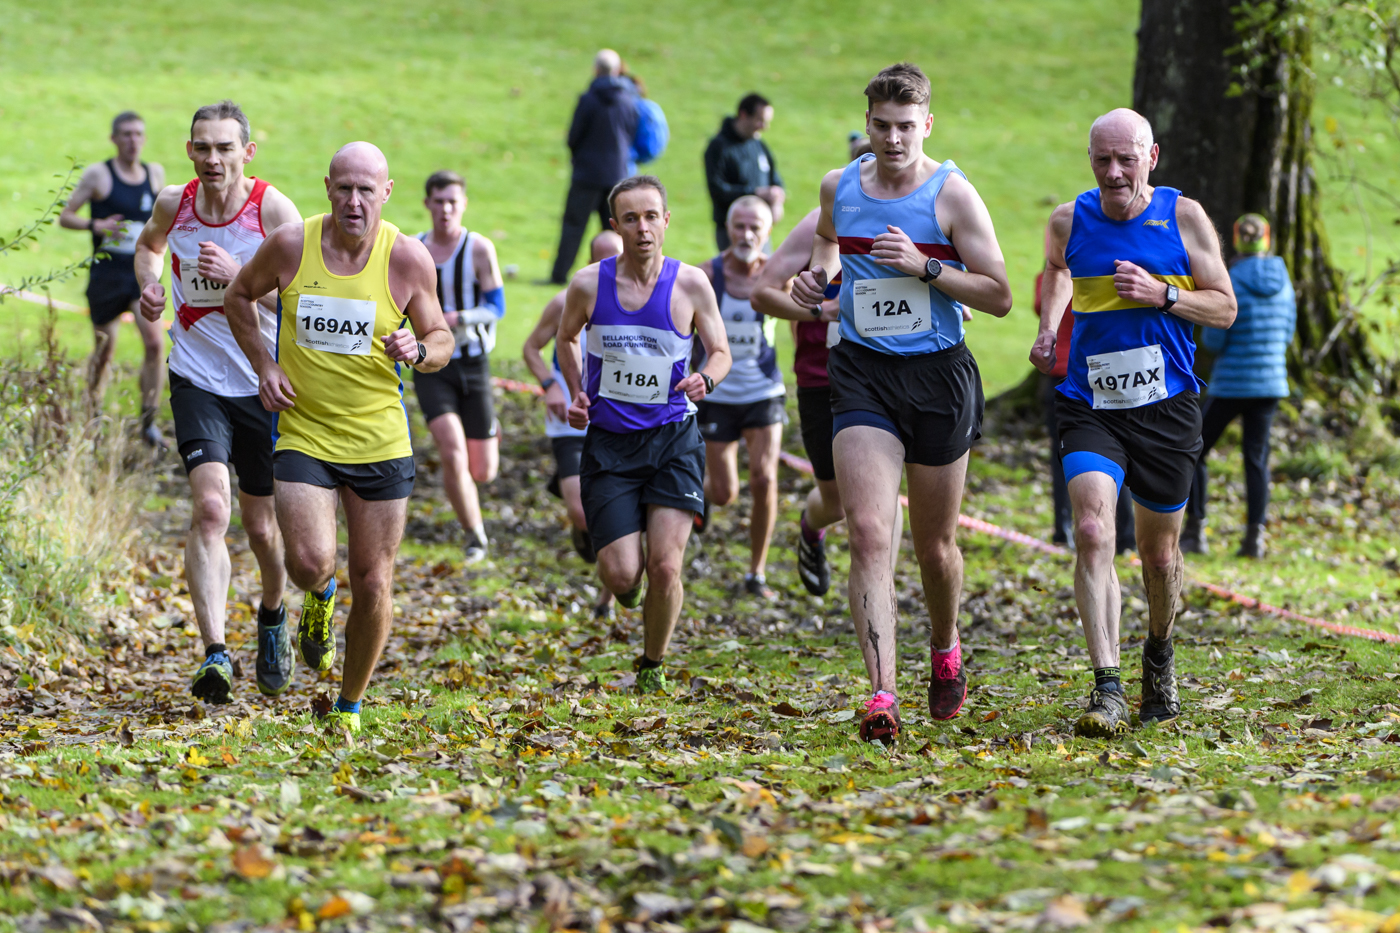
335, 325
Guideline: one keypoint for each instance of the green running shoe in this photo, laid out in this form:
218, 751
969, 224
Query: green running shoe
650, 679
276, 657
213, 682
315, 640
336, 720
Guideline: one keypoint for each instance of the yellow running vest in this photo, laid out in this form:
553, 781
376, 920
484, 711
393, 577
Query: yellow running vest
349, 396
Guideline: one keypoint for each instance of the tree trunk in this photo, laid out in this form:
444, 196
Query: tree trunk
1239, 146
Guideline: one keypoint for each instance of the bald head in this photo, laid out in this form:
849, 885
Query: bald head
605, 244
360, 158
607, 62
1121, 125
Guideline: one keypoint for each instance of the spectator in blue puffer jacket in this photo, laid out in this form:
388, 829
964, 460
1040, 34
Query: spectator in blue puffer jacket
1249, 378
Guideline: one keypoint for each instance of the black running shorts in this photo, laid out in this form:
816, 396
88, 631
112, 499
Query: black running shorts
814, 410
933, 402
111, 289
1153, 448
373, 482
213, 428
568, 452
621, 474
724, 423
462, 388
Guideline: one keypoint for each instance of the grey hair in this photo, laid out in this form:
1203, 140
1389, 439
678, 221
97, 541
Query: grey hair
1143, 136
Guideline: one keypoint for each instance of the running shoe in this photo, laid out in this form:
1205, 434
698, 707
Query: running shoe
756, 585
213, 682
1252, 545
475, 550
702, 518
276, 657
336, 720
633, 597
154, 439
1106, 717
1160, 701
603, 612
552, 487
315, 640
812, 568
650, 679
947, 685
881, 720
1193, 537
583, 543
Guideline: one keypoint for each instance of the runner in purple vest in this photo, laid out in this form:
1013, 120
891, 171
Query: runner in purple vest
643, 458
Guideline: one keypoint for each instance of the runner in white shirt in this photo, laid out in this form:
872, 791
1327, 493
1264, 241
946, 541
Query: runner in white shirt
212, 226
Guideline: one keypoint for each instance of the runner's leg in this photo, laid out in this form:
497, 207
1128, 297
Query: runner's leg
573, 502
306, 515
824, 504
668, 530
259, 517
721, 472
1096, 591
869, 464
104, 345
763, 445
484, 459
935, 497
374, 530
456, 477
152, 366
1162, 568
206, 554
621, 563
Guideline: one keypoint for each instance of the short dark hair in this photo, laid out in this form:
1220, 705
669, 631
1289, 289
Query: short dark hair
904, 83
753, 103
126, 116
445, 178
633, 183
223, 110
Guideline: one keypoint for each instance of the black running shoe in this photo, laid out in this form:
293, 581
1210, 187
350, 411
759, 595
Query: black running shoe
213, 682
552, 487
276, 656
583, 543
812, 568
1106, 717
603, 612
756, 585
1160, 701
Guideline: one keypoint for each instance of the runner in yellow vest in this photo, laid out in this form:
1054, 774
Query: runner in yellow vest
348, 284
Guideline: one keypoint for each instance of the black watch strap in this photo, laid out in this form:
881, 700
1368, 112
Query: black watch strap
547, 383
709, 383
422, 354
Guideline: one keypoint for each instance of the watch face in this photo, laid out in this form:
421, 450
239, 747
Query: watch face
1172, 293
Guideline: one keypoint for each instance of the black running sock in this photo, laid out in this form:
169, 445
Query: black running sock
1159, 649
267, 618
148, 418
216, 648
645, 663
1108, 678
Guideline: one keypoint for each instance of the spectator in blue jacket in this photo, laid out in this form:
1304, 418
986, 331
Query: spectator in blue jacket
600, 139
1249, 378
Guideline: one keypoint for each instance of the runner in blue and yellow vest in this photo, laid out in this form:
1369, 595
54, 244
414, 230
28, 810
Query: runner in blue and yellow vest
1143, 267
348, 283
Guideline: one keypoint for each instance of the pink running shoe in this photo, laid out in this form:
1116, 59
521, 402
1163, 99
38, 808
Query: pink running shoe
947, 685
881, 720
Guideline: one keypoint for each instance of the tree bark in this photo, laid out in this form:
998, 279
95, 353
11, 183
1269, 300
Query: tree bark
1239, 146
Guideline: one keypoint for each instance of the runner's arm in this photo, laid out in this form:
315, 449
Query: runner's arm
964, 218
578, 304
809, 289
157, 172
89, 183
1056, 288
556, 396
771, 294
710, 328
488, 276
415, 264
274, 264
1212, 302
150, 252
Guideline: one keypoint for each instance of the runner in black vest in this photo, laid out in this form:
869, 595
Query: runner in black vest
120, 192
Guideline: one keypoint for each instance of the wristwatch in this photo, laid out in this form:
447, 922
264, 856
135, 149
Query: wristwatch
709, 383
932, 270
816, 312
547, 383
1172, 295
422, 354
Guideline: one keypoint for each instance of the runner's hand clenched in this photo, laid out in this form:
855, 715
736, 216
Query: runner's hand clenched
809, 288
275, 389
153, 301
578, 412
401, 345
215, 263
557, 402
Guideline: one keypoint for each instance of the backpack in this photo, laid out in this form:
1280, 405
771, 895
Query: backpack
652, 135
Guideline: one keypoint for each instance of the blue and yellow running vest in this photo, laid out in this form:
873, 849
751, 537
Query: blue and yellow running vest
1124, 355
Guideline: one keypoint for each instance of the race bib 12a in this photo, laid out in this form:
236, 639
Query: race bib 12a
1128, 378
640, 380
200, 292
891, 307
335, 325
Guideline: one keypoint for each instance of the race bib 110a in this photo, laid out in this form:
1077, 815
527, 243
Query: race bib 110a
1128, 378
640, 380
335, 325
200, 292
891, 307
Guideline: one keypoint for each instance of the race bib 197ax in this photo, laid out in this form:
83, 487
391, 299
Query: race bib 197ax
641, 380
335, 325
1128, 378
891, 307
200, 292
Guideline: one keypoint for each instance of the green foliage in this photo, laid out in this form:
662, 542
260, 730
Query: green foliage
28, 235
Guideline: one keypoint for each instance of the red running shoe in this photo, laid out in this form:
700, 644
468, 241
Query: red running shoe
881, 720
947, 686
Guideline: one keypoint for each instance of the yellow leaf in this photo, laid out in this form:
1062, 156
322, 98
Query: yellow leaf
1299, 884
344, 774
1331, 124
333, 908
196, 759
1251, 889
754, 846
251, 863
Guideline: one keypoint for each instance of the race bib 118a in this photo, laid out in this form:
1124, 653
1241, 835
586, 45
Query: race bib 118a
1128, 378
335, 325
640, 380
891, 307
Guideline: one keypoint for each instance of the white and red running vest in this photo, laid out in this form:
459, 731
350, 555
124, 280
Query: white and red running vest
205, 352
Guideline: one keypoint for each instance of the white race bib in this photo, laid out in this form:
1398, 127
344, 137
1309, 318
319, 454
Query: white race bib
745, 339
833, 334
641, 380
123, 239
891, 307
335, 325
199, 291
1128, 378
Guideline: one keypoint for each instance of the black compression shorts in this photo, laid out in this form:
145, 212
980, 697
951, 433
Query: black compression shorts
621, 474
462, 388
112, 288
373, 482
814, 410
724, 423
1153, 448
213, 428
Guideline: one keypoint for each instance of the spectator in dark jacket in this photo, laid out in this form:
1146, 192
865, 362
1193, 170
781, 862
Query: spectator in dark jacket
1249, 378
738, 162
600, 139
